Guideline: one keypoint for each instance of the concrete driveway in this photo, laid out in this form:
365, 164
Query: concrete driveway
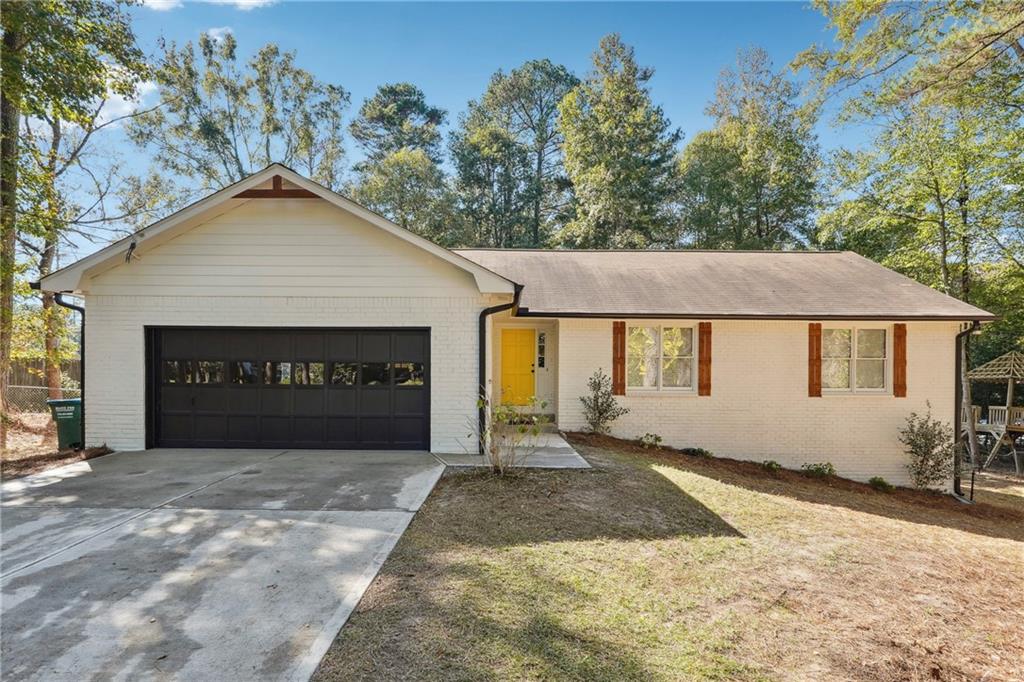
196, 564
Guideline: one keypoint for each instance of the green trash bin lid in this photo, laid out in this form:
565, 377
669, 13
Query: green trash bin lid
64, 401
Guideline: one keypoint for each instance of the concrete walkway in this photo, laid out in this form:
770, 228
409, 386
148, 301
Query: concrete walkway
196, 564
552, 452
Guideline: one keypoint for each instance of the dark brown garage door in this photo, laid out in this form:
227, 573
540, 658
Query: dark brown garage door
308, 388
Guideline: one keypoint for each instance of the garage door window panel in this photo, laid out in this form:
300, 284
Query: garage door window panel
344, 373
376, 373
277, 373
210, 372
177, 372
245, 372
309, 374
409, 374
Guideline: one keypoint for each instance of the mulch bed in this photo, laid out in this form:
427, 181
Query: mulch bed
711, 465
32, 447
33, 464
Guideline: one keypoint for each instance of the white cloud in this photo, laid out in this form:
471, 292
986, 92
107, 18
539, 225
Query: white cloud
117, 106
244, 5
217, 33
162, 5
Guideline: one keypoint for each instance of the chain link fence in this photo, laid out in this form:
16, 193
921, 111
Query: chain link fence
26, 386
29, 399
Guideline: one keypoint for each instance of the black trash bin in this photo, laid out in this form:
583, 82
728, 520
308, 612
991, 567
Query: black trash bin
68, 415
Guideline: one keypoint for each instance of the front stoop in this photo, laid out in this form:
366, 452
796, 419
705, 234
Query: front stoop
553, 452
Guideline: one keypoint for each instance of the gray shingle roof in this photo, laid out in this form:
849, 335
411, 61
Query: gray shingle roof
711, 284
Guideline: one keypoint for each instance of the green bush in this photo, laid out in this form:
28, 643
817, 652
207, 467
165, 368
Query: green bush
650, 441
771, 465
600, 408
697, 452
819, 469
880, 484
930, 446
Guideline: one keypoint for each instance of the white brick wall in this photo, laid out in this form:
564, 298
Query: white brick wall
759, 408
115, 351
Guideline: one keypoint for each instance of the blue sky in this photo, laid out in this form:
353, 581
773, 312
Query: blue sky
450, 50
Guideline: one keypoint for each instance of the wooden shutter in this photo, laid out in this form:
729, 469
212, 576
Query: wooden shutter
814, 360
899, 360
619, 358
704, 359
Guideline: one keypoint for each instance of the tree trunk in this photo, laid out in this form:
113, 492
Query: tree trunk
10, 121
965, 241
539, 192
973, 447
943, 237
52, 322
51, 314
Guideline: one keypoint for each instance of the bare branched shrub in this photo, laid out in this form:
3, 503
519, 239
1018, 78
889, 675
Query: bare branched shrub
509, 433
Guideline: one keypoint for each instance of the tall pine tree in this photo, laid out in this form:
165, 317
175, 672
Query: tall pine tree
620, 155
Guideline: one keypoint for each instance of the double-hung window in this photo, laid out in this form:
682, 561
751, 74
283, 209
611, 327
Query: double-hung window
659, 358
854, 359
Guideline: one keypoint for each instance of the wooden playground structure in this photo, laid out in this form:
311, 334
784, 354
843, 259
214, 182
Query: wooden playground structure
1004, 424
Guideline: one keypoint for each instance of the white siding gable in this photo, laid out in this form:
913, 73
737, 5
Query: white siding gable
285, 247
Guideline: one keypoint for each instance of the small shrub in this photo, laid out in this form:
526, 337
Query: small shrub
771, 465
650, 441
600, 408
880, 484
697, 452
819, 469
930, 446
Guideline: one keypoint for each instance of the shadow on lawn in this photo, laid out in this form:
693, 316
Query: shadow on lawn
487, 584
531, 507
904, 504
489, 628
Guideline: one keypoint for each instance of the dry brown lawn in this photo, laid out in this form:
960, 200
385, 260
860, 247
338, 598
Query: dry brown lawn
657, 565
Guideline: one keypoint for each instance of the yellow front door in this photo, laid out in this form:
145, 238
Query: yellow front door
518, 353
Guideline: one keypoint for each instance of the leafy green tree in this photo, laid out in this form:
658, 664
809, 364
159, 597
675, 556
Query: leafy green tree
409, 189
55, 53
890, 52
397, 117
928, 198
220, 120
938, 192
59, 161
619, 154
750, 182
524, 102
494, 181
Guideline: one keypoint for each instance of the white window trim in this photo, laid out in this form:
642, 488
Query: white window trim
659, 389
886, 366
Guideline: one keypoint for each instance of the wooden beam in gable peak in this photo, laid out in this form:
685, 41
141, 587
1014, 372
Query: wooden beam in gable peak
277, 191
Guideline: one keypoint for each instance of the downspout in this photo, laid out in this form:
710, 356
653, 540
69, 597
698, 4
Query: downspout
484, 314
58, 298
959, 397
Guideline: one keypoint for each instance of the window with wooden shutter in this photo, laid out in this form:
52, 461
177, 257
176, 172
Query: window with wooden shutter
619, 358
899, 360
814, 360
704, 359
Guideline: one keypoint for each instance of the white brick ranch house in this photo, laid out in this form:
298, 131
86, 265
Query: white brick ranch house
276, 313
